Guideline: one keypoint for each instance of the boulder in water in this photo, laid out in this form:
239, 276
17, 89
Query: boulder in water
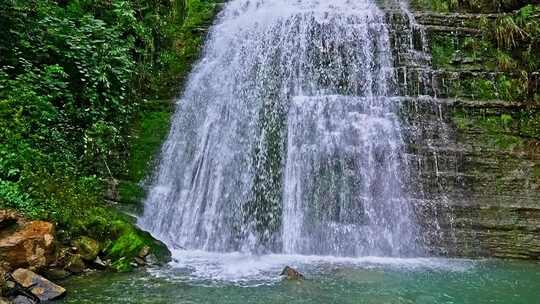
292, 274
40, 287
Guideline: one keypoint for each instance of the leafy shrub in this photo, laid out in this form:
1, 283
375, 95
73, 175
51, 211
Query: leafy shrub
75, 77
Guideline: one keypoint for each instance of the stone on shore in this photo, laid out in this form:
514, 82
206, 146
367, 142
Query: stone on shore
42, 288
75, 264
22, 300
25, 244
87, 247
55, 274
4, 301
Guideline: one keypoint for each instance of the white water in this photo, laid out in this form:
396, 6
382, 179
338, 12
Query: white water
286, 139
202, 267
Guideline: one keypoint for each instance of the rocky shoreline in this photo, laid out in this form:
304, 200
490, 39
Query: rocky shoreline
33, 259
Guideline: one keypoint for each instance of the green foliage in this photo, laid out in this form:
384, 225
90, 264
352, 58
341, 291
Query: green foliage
151, 124
507, 32
442, 51
504, 61
75, 78
509, 44
470, 6
517, 37
500, 87
454, 52
11, 197
130, 193
147, 133
65, 86
502, 131
498, 131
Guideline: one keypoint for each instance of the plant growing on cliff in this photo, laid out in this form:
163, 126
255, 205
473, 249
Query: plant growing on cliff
507, 32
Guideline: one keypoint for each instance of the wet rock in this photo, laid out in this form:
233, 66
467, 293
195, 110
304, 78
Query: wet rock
56, 274
22, 300
75, 264
26, 244
144, 252
62, 257
99, 263
292, 274
10, 284
139, 261
40, 287
87, 247
4, 301
152, 260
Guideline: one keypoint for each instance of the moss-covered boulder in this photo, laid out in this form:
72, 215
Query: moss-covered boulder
87, 247
129, 243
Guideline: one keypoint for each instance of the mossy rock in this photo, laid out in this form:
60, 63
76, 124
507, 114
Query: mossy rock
87, 247
75, 264
129, 243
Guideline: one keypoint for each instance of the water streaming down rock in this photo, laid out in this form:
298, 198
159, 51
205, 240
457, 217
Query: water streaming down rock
343, 181
287, 138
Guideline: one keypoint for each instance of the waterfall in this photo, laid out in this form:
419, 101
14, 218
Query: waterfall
288, 137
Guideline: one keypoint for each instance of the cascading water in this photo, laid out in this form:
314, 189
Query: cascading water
287, 138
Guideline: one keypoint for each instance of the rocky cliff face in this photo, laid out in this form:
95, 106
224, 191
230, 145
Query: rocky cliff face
476, 141
474, 145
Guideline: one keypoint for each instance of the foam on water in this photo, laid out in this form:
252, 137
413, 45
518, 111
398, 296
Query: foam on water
210, 268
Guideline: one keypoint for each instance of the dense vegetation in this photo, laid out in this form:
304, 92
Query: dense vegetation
508, 44
498, 60
84, 100
85, 90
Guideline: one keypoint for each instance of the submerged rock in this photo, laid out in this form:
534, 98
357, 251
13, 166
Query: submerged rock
292, 274
40, 287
